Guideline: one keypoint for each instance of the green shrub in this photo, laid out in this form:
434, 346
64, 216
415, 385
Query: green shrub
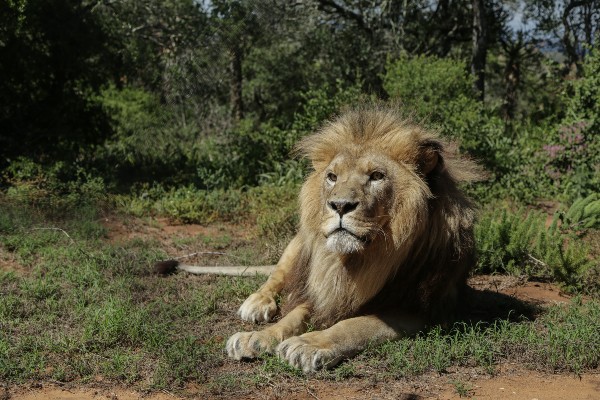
520, 243
273, 209
58, 185
151, 141
324, 102
439, 91
584, 213
243, 155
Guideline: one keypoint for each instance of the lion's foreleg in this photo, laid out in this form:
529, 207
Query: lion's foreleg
261, 306
325, 349
252, 344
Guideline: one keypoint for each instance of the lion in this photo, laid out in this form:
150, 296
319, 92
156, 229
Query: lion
384, 246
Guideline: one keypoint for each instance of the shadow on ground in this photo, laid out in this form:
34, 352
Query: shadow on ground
489, 306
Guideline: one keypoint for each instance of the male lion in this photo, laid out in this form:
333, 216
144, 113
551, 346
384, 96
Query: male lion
384, 246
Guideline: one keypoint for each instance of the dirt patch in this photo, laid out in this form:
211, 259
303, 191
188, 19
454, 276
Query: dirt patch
9, 264
123, 228
58, 393
531, 386
516, 385
538, 293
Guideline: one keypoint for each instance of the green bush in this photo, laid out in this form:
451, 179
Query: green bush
150, 141
252, 153
584, 213
520, 243
273, 209
243, 155
440, 92
59, 185
323, 103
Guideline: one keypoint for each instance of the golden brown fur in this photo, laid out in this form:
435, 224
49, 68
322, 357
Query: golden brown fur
384, 246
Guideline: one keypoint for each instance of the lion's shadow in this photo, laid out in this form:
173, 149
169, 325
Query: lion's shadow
489, 306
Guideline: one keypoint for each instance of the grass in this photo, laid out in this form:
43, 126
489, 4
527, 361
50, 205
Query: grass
564, 338
81, 307
462, 389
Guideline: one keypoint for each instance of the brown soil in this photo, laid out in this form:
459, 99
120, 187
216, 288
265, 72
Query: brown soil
516, 385
511, 381
532, 386
9, 264
122, 229
538, 293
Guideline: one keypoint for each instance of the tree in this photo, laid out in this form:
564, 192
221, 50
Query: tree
480, 47
53, 58
574, 24
517, 51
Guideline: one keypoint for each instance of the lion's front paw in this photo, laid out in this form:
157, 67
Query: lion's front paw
308, 352
250, 344
258, 308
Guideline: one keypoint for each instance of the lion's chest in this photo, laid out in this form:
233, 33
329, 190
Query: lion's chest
336, 291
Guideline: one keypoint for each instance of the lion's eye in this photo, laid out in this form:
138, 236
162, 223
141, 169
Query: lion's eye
376, 176
331, 177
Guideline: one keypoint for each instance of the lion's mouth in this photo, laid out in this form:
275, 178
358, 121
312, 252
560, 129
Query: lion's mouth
343, 241
346, 232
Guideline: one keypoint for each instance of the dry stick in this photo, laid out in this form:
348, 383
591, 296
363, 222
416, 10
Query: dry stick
310, 392
54, 229
537, 261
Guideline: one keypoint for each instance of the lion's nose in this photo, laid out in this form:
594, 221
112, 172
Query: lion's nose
343, 206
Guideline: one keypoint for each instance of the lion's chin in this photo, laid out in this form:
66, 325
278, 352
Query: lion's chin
344, 242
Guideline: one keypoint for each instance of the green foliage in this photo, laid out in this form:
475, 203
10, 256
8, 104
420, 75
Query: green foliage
583, 98
435, 89
427, 84
584, 213
323, 102
462, 389
271, 207
252, 153
575, 149
242, 155
520, 243
53, 58
150, 142
59, 185
439, 90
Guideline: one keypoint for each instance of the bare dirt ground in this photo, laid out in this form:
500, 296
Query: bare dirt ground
509, 384
510, 381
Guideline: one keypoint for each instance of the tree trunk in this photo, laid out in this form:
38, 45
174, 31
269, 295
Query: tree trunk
569, 38
512, 80
235, 90
478, 59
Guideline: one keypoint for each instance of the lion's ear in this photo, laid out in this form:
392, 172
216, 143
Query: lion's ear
430, 156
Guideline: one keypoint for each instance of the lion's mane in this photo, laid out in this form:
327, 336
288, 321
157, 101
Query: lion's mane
420, 260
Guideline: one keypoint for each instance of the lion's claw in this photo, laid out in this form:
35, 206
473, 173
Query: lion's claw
303, 353
258, 308
250, 344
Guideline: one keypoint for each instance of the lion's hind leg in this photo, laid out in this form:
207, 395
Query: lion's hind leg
253, 344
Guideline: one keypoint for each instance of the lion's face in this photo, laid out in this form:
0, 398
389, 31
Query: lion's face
360, 192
